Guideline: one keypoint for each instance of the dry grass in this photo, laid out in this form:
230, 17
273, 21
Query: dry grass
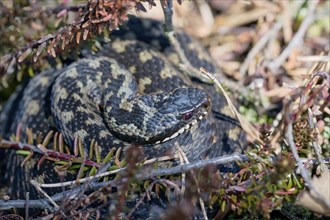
274, 60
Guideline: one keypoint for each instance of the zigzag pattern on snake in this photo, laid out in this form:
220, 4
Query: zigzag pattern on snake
130, 91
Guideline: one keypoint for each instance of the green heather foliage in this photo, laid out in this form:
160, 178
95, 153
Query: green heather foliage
37, 36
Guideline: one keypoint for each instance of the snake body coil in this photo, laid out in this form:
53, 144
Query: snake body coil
128, 92
96, 99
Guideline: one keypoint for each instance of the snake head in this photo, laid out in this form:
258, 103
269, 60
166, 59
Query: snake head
180, 110
156, 118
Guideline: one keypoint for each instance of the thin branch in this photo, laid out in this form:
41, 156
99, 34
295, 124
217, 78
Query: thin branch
314, 58
27, 196
83, 180
194, 165
35, 184
303, 172
316, 147
140, 201
142, 175
248, 128
100, 175
183, 175
259, 45
201, 202
170, 171
38, 203
185, 64
168, 13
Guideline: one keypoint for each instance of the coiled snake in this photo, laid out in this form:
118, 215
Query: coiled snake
128, 92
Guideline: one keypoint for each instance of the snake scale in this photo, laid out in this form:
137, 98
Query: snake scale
130, 91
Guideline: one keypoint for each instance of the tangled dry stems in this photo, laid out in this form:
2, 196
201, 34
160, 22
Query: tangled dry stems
259, 167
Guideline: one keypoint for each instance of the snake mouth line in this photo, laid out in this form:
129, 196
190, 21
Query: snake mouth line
185, 128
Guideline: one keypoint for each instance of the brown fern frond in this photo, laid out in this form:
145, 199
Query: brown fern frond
94, 17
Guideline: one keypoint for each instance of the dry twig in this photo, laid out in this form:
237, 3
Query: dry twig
246, 125
296, 40
201, 202
260, 45
35, 184
316, 147
303, 172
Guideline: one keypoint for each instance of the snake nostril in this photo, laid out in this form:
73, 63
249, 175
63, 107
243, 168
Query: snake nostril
206, 105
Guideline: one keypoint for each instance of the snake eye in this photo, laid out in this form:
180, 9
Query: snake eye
186, 116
